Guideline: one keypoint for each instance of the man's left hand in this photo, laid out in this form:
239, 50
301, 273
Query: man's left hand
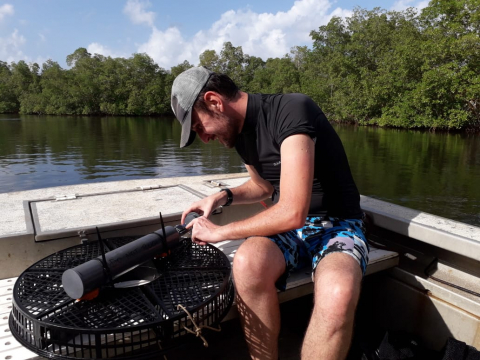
204, 231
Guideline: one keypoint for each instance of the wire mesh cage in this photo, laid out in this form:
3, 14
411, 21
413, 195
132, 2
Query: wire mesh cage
138, 322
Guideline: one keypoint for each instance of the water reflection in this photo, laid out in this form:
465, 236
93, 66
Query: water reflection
437, 173
51, 151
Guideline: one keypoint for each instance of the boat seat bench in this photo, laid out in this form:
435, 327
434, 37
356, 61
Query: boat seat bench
300, 282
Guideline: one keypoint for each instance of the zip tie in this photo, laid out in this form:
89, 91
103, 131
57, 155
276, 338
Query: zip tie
198, 329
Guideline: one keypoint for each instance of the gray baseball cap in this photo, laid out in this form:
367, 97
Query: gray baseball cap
185, 90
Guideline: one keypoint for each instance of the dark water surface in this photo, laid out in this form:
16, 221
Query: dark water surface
434, 172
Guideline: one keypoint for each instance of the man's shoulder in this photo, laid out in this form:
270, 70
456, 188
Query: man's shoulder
293, 104
286, 98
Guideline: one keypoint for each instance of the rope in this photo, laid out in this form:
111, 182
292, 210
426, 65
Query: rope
161, 349
198, 329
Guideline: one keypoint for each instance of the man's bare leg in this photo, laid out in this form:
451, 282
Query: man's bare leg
257, 265
337, 289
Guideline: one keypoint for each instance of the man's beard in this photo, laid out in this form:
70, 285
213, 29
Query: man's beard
228, 136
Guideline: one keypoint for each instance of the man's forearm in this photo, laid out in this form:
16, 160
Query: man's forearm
248, 193
295, 188
274, 220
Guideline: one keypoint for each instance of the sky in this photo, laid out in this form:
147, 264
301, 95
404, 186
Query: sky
168, 31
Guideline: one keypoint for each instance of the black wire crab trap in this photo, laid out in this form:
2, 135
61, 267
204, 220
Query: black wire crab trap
138, 322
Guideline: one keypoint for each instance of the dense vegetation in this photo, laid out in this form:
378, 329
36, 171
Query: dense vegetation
403, 69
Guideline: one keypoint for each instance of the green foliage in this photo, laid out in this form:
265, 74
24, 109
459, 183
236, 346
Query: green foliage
210, 60
240, 67
277, 76
400, 68
8, 101
94, 85
387, 68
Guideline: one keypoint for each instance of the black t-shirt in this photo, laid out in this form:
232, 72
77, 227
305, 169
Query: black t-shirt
272, 118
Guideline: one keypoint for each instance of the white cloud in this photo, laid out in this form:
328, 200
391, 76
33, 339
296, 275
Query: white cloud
161, 44
401, 5
42, 37
260, 34
135, 9
96, 48
10, 47
5, 10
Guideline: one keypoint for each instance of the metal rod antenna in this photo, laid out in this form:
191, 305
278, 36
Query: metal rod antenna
164, 240
104, 260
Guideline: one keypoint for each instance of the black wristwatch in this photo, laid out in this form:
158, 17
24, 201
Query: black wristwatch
229, 196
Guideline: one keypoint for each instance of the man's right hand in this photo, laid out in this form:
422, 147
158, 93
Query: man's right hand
206, 205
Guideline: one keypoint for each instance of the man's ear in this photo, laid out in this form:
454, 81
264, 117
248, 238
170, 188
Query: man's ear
214, 101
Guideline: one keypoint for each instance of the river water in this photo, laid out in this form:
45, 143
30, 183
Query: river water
437, 173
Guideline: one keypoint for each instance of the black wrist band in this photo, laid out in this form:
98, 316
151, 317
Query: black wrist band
229, 196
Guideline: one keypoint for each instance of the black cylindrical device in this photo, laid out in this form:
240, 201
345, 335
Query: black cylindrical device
91, 275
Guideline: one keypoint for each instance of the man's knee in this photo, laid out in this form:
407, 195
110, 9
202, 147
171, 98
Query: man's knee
339, 300
337, 287
258, 261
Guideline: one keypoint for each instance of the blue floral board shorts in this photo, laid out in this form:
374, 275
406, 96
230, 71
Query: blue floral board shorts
319, 237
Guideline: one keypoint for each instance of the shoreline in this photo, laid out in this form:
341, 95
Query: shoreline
468, 130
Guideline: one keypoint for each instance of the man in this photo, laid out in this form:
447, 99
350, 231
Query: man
294, 156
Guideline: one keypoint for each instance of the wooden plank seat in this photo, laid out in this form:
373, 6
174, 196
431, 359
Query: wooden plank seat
300, 282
